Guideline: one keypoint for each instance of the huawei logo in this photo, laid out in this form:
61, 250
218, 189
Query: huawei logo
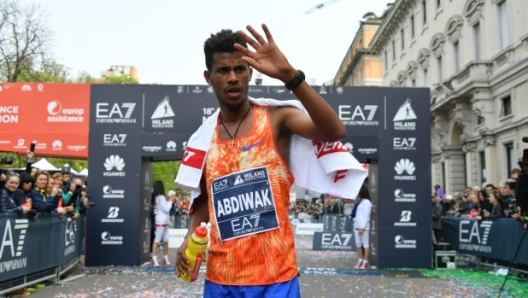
404, 165
54, 107
57, 144
171, 145
114, 162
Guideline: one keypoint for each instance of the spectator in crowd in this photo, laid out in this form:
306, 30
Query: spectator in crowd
496, 211
437, 217
361, 220
475, 212
171, 195
74, 201
514, 174
66, 180
507, 196
7, 201
57, 179
162, 218
439, 192
42, 200
484, 202
459, 208
447, 204
184, 206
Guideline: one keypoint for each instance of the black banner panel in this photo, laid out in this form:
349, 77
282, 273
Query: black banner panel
131, 125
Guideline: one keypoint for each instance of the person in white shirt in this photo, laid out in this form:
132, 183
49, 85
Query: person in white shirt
362, 227
162, 209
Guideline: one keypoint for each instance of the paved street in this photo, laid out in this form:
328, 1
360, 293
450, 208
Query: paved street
323, 274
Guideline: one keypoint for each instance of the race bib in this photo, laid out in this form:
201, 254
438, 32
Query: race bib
243, 204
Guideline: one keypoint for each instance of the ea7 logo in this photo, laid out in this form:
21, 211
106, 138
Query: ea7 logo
470, 232
114, 113
9, 243
365, 113
336, 239
404, 143
111, 138
103, 110
71, 228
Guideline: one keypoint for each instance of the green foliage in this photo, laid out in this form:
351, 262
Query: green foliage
50, 71
123, 79
19, 161
165, 171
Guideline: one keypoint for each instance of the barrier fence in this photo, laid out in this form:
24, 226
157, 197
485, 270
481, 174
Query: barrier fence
497, 239
35, 250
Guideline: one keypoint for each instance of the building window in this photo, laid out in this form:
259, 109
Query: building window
386, 62
426, 83
506, 107
510, 161
438, 2
456, 52
393, 51
412, 27
504, 27
478, 41
439, 66
402, 40
479, 119
424, 12
482, 160
413, 82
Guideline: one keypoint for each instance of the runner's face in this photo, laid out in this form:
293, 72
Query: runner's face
229, 77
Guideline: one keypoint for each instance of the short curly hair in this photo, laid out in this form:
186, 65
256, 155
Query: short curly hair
221, 42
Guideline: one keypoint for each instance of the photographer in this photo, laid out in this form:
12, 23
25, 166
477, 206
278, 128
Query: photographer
522, 186
76, 203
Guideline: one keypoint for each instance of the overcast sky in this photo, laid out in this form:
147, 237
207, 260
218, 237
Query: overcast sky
164, 38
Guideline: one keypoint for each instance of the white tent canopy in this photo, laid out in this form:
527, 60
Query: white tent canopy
84, 172
44, 165
72, 170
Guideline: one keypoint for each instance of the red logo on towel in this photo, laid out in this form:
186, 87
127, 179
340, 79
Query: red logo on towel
193, 157
324, 148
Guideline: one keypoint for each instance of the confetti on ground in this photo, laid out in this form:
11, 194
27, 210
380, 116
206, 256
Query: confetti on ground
323, 275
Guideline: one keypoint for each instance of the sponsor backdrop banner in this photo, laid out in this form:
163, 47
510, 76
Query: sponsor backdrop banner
497, 239
28, 246
405, 176
55, 115
114, 228
131, 122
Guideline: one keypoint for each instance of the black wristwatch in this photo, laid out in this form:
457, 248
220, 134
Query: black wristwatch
299, 78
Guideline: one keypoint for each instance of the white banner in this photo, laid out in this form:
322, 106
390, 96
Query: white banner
308, 228
176, 237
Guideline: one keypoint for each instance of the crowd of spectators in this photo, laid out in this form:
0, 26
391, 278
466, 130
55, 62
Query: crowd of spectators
36, 192
486, 202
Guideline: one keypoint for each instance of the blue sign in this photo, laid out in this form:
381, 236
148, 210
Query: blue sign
243, 204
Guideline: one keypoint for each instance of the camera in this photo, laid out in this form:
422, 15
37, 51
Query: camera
6, 160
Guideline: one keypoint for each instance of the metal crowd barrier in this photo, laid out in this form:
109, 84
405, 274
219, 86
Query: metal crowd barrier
37, 250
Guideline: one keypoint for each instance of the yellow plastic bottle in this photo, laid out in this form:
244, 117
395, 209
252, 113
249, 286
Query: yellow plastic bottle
195, 252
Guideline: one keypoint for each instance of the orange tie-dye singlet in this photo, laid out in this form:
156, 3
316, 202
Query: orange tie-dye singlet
240, 253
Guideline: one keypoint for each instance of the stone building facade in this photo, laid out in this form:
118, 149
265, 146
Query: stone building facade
473, 55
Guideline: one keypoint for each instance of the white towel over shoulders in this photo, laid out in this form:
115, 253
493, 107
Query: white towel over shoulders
318, 166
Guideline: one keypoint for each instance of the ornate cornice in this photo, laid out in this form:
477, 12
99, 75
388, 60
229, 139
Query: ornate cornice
437, 44
452, 30
473, 11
